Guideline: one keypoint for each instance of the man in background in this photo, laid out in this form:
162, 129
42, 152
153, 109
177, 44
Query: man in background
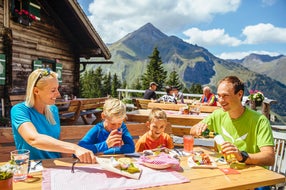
208, 97
150, 93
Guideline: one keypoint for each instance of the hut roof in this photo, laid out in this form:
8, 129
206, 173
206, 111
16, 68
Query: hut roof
77, 27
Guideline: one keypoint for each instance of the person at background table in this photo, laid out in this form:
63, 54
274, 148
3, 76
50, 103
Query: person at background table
178, 95
36, 123
110, 136
247, 133
208, 98
168, 97
150, 93
156, 136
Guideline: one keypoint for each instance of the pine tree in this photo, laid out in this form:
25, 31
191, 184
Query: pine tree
196, 89
86, 84
115, 84
155, 71
173, 80
98, 87
107, 84
136, 85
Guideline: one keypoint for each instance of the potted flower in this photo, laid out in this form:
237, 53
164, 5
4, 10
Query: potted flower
256, 97
6, 176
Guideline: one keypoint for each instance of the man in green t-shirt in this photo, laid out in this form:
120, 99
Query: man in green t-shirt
247, 133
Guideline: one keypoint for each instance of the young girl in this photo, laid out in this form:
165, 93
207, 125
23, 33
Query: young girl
111, 135
155, 137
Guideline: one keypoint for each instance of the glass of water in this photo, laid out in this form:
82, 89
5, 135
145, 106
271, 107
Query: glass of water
21, 159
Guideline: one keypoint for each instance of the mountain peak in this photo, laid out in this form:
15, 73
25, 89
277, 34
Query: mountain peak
143, 39
146, 32
261, 57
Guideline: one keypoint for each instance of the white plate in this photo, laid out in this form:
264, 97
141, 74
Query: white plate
192, 164
105, 163
157, 166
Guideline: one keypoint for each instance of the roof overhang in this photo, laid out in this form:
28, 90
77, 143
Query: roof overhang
78, 29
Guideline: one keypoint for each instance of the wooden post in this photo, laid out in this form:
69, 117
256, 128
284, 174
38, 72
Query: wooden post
266, 107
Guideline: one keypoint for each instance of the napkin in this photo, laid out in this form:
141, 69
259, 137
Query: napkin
93, 177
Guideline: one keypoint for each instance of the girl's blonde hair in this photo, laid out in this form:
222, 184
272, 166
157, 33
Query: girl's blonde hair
38, 78
157, 113
114, 108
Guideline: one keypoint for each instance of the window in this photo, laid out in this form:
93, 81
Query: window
25, 11
47, 63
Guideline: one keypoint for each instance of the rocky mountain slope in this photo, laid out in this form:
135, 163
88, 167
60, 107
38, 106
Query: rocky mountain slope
272, 66
193, 63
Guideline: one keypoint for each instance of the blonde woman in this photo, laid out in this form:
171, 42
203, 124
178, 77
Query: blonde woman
36, 124
110, 136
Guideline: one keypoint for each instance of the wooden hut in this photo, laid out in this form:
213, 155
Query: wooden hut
45, 33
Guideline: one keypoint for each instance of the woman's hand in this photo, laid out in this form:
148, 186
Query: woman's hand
84, 155
114, 138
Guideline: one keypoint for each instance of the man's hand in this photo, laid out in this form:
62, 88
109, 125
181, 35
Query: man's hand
197, 129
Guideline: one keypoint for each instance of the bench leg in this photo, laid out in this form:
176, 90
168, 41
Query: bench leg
84, 120
98, 118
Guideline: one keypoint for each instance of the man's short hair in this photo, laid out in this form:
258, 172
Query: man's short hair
153, 83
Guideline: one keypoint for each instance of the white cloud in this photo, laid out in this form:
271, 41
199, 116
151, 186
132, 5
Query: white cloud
241, 55
268, 2
264, 33
212, 37
114, 19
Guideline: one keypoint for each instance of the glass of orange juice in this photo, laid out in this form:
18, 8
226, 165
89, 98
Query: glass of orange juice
188, 143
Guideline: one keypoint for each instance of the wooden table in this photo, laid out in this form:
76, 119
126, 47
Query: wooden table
249, 177
141, 116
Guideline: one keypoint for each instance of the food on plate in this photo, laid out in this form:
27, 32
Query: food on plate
200, 158
124, 164
156, 151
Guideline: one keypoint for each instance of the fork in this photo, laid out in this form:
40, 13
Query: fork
73, 164
178, 151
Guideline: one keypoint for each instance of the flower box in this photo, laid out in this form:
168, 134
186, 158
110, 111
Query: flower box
23, 17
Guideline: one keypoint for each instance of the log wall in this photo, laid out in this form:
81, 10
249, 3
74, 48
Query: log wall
43, 39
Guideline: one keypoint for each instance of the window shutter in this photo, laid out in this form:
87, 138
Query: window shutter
59, 69
35, 9
37, 64
2, 69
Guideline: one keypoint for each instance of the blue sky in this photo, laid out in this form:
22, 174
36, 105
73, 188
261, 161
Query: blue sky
229, 29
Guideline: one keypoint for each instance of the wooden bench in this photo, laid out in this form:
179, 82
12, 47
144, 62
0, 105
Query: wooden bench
69, 133
15, 99
92, 106
166, 106
141, 103
204, 109
82, 108
71, 115
138, 129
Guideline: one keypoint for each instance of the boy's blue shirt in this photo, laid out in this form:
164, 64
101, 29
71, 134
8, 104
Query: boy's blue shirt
95, 140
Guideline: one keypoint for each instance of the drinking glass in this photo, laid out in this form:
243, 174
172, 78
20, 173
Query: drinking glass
188, 143
230, 158
21, 159
119, 131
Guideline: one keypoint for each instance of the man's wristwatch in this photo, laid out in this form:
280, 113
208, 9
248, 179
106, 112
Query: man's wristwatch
244, 156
